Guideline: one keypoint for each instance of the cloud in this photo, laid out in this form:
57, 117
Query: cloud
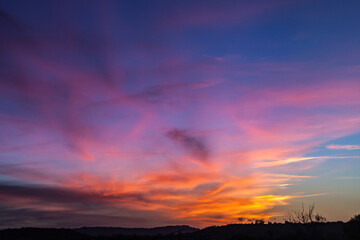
348, 178
38, 205
190, 143
343, 147
164, 93
125, 203
20, 172
213, 15
296, 160
49, 194
32, 217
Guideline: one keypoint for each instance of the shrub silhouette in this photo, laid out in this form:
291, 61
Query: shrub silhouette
352, 228
319, 218
304, 216
259, 221
355, 219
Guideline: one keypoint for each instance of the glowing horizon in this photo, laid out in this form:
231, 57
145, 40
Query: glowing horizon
163, 113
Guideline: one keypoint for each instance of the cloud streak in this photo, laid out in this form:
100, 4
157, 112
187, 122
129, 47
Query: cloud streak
190, 143
343, 147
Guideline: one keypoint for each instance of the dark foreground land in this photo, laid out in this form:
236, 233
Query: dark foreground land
318, 231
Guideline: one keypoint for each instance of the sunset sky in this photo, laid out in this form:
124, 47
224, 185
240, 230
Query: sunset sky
149, 113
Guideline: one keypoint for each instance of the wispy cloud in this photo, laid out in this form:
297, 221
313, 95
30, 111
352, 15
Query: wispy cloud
212, 15
191, 143
343, 147
349, 178
295, 160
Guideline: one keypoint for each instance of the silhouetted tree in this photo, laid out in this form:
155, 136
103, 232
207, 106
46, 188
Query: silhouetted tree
304, 215
319, 218
259, 221
355, 219
352, 228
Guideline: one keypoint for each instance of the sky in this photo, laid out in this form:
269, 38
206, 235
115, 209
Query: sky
150, 113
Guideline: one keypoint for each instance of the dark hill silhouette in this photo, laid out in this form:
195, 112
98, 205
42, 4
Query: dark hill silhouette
315, 231
41, 234
273, 231
108, 231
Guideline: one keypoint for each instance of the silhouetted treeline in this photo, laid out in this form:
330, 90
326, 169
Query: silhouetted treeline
316, 231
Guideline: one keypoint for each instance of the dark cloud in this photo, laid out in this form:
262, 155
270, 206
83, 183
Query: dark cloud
155, 94
48, 194
190, 143
20, 216
65, 195
51, 206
